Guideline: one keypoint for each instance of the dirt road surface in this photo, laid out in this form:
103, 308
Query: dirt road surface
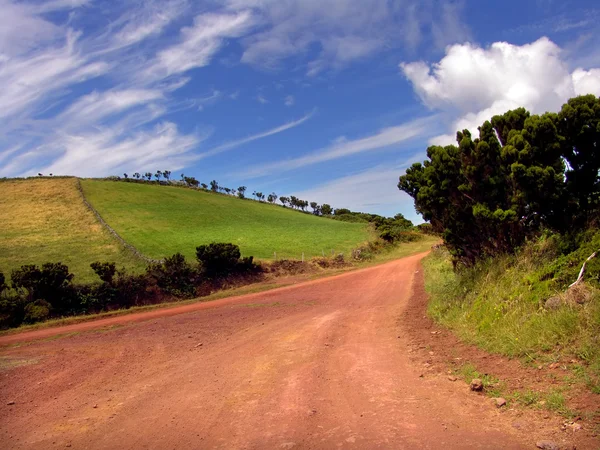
320, 365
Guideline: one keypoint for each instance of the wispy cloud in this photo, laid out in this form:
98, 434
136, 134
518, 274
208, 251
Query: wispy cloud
262, 99
289, 100
238, 143
342, 148
372, 189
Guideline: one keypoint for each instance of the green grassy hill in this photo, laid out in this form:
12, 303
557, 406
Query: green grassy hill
162, 220
45, 220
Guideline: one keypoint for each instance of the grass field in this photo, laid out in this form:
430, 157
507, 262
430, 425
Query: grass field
162, 220
44, 220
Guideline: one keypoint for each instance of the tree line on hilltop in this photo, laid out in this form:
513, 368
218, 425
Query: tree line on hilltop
523, 174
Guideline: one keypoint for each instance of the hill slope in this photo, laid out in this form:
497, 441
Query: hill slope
162, 220
45, 220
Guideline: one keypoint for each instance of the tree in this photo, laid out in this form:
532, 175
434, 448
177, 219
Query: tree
125, 176
294, 201
204, 186
259, 195
579, 124
326, 209
148, 175
488, 194
284, 200
214, 186
242, 192
272, 198
136, 175
341, 211
191, 181
167, 174
157, 175
316, 208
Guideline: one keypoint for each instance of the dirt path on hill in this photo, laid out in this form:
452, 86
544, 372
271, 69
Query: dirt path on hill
323, 364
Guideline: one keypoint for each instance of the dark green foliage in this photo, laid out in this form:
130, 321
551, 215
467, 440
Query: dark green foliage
342, 211
51, 283
37, 311
174, 276
218, 259
105, 270
488, 194
579, 126
326, 209
3, 285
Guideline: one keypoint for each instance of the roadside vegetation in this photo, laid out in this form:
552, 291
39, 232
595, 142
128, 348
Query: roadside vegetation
518, 209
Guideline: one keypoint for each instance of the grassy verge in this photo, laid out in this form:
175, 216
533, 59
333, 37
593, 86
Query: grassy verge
45, 220
162, 220
500, 306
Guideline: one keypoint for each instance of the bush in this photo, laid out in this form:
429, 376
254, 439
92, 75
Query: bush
37, 311
218, 259
175, 276
51, 283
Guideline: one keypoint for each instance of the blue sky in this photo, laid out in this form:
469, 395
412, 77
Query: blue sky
329, 100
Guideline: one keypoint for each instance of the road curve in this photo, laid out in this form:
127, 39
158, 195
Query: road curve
319, 365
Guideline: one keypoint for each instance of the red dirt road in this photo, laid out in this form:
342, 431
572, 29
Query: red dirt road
319, 365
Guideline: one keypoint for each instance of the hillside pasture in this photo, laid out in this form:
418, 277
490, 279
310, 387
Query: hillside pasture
162, 220
44, 220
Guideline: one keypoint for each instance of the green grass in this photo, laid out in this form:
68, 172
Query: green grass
162, 220
45, 220
499, 306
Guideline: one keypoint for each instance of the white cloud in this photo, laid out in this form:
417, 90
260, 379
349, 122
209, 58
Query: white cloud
149, 21
107, 152
28, 80
41, 62
199, 43
261, 99
474, 83
342, 148
289, 100
91, 109
237, 143
344, 30
586, 82
368, 191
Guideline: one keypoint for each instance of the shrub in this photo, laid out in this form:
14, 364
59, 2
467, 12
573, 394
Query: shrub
37, 311
51, 283
175, 276
218, 259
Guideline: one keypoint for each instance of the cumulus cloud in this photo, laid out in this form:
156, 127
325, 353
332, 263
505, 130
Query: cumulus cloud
472, 83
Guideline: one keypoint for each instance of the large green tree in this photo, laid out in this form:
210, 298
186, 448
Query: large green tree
487, 194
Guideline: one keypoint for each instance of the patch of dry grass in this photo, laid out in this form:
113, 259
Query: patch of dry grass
45, 220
